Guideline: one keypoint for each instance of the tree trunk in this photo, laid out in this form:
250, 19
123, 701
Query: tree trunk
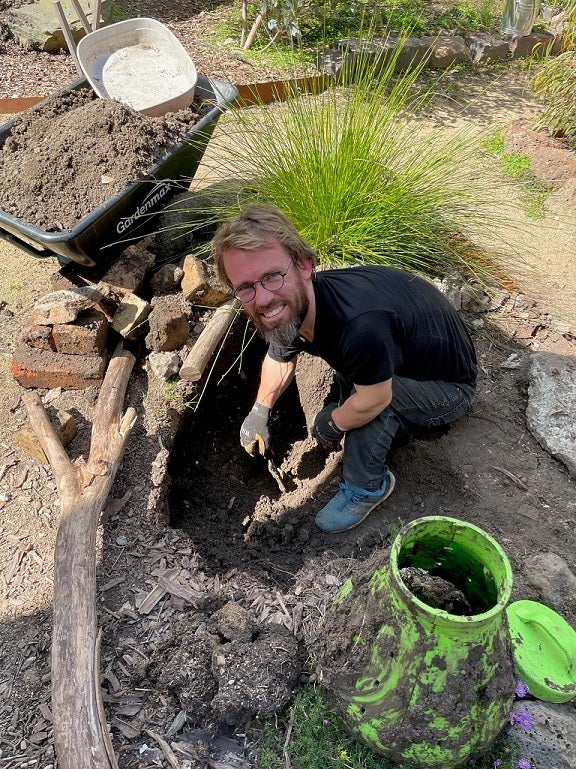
81, 737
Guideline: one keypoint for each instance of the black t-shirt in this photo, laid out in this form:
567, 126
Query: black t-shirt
374, 322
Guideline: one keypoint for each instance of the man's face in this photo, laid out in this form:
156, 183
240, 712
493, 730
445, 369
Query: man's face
276, 314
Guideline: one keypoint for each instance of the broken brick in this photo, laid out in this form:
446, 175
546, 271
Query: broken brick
128, 272
65, 306
38, 336
87, 336
45, 369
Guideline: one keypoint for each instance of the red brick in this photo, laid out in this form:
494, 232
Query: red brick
38, 336
45, 369
86, 336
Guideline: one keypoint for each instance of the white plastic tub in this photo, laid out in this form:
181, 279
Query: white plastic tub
140, 63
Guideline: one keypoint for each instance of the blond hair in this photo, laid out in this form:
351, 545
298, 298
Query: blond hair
255, 227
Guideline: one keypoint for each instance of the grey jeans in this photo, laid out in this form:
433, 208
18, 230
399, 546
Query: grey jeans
414, 404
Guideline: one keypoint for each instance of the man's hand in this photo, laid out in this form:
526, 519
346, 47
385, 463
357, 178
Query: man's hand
325, 430
254, 433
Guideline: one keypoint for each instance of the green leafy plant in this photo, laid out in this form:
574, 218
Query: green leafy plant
360, 176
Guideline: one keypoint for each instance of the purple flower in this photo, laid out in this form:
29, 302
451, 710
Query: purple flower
524, 719
521, 689
497, 763
524, 763
512, 717
326, 721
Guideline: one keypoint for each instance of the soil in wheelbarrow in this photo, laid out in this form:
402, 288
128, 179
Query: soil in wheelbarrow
63, 160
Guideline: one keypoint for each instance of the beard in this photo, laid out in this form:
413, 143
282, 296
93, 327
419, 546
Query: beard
284, 335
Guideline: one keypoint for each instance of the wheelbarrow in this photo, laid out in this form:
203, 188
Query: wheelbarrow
130, 214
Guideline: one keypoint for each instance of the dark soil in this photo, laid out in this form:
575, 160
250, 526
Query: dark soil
233, 511
76, 151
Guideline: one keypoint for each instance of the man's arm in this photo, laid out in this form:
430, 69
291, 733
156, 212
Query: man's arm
274, 379
363, 405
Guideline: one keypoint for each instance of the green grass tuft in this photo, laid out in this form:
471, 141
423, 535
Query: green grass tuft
362, 178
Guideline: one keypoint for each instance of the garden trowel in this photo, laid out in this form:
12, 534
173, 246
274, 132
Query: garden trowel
276, 473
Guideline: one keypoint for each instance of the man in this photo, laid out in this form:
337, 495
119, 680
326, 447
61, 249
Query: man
402, 355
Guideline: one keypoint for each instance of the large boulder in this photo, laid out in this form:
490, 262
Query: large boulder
38, 25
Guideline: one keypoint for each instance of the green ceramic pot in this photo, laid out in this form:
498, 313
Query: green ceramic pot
436, 687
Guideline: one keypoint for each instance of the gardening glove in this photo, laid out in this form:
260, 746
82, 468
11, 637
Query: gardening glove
325, 431
254, 433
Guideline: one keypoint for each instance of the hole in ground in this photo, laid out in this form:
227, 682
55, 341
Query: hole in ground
229, 504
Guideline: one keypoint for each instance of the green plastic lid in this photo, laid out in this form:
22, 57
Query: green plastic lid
544, 649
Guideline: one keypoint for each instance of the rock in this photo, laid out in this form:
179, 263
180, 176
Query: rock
130, 316
164, 365
551, 410
65, 306
199, 285
551, 743
447, 50
485, 47
168, 324
166, 278
66, 430
127, 274
556, 584
38, 23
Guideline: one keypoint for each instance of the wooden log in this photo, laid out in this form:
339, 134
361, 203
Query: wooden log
196, 360
81, 737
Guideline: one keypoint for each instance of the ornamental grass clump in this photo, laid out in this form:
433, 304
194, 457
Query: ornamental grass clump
361, 176
555, 81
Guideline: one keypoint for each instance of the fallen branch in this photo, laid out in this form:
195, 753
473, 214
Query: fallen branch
200, 354
81, 736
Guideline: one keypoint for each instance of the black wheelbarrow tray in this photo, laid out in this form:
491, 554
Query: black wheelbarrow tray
130, 214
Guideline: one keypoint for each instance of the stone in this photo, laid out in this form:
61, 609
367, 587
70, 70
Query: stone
535, 44
551, 409
127, 274
166, 278
551, 742
555, 582
447, 50
87, 336
169, 330
65, 306
66, 430
47, 369
164, 365
199, 284
38, 23
486, 47
131, 316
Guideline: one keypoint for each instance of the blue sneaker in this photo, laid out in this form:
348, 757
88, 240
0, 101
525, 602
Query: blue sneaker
352, 505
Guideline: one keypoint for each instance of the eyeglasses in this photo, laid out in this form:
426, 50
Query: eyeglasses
272, 282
